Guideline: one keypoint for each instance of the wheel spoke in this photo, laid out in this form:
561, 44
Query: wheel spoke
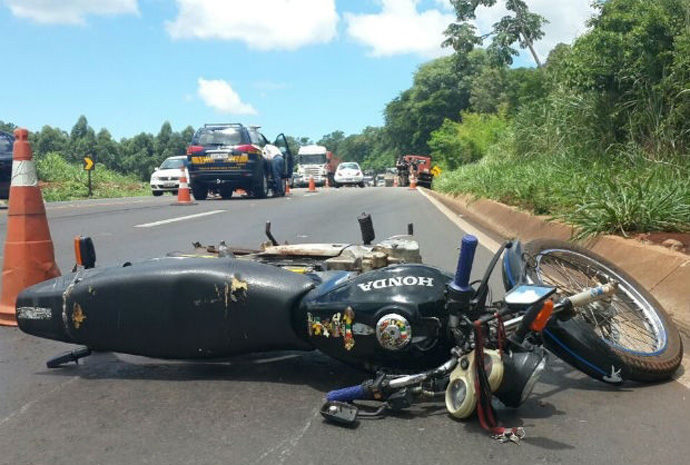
623, 320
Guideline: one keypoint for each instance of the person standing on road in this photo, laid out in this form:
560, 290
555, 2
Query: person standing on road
275, 157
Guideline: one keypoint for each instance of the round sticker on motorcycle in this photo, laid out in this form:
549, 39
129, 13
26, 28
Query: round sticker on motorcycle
393, 332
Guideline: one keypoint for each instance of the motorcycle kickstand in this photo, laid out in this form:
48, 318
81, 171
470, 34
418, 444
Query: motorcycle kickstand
71, 356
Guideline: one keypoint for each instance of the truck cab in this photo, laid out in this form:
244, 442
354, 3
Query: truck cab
311, 162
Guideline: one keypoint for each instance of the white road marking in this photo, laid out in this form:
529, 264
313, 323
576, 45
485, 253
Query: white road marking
275, 359
284, 448
484, 240
181, 218
30, 404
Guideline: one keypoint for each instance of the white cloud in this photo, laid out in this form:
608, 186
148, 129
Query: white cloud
266, 88
261, 24
400, 28
269, 86
219, 95
69, 11
566, 20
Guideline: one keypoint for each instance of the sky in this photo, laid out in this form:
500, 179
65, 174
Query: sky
305, 68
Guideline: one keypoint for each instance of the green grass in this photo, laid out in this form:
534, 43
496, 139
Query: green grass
613, 193
60, 180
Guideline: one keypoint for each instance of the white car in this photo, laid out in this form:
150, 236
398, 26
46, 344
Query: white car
348, 173
166, 178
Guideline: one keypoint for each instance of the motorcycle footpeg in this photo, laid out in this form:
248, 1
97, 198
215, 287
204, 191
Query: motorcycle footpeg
341, 413
71, 356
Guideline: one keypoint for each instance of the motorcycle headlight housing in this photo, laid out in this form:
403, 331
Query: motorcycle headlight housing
522, 370
493, 366
461, 398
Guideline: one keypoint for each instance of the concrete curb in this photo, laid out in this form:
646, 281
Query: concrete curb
665, 273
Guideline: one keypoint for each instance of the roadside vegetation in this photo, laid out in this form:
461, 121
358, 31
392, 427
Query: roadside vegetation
603, 142
596, 136
61, 180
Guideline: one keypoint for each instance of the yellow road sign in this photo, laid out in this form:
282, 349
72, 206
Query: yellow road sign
88, 163
435, 170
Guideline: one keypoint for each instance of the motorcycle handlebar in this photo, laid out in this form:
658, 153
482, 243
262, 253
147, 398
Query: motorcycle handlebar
468, 246
348, 394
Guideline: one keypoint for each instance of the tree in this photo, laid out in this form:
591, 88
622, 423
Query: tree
161, 144
440, 90
108, 151
524, 28
488, 90
634, 62
332, 141
187, 134
138, 155
82, 141
455, 144
296, 142
49, 139
7, 127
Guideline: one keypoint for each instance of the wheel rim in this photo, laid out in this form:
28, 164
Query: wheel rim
626, 321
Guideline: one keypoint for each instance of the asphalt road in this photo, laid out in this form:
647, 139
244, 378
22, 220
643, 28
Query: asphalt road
116, 409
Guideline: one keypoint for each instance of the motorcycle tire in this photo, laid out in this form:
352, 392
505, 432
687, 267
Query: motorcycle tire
631, 322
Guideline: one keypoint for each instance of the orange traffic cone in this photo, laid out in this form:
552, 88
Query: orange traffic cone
29, 253
413, 183
183, 197
312, 184
395, 181
287, 187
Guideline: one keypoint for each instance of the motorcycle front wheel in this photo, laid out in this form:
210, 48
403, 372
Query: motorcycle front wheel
632, 321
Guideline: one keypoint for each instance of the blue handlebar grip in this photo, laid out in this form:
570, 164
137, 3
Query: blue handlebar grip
347, 394
462, 274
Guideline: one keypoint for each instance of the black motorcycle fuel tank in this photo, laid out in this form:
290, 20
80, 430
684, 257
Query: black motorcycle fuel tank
170, 308
391, 317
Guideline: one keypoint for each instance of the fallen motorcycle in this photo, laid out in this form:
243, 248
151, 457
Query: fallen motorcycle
424, 332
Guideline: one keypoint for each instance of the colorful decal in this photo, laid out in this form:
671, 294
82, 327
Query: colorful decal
78, 316
348, 318
396, 282
201, 160
393, 332
339, 325
243, 158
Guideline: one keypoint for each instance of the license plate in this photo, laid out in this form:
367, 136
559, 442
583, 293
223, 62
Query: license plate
169, 184
219, 156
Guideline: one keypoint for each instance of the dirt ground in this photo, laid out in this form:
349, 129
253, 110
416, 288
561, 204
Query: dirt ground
679, 242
